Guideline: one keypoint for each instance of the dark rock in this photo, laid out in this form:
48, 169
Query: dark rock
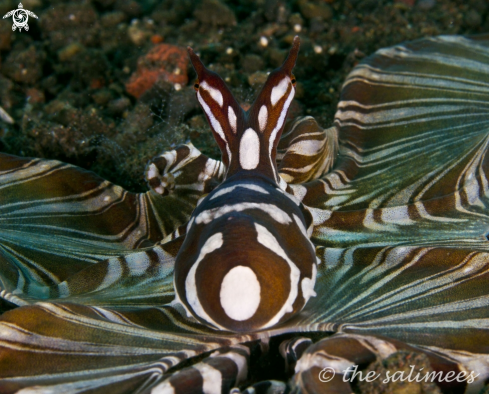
180, 105
367, 5
481, 6
115, 39
257, 79
118, 106
131, 8
317, 25
425, 5
105, 3
276, 11
137, 125
89, 68
112, 19
252, 63
473, 19
215, 13
68, 52
102, 96
25, 66
73, 97
173, 11
64, 24
35, 96
139, 33
50, 85
296, 19
5, 36
6, 87
60, 111
404, 4
311, 10
276, 56
197, 122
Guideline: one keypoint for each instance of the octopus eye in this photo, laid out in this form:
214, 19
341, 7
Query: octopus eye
196, 85
293, 80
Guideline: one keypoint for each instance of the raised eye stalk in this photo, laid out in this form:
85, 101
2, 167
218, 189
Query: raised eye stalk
247, 139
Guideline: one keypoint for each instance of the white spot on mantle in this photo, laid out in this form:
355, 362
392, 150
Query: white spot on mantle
240, 293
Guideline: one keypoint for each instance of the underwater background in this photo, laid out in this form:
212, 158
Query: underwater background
106, 84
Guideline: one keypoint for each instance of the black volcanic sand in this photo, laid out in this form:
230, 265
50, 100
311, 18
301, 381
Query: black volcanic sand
64, 81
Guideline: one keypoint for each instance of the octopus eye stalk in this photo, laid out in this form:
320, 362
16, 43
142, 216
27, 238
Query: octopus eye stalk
248, 139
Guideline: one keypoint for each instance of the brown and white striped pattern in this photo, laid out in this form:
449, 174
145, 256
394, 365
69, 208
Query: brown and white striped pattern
306, 150
341, 353
183, 168
218, 373
400, 226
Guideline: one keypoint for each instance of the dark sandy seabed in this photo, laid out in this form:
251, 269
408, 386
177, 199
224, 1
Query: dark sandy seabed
71, 82
100, 83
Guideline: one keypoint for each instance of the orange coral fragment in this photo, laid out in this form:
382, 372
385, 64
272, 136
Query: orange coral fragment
156, 39
163, 62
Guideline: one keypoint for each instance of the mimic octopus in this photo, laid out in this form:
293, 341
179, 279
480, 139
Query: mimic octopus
317, 250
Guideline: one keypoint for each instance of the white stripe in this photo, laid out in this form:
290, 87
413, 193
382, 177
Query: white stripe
280, 121
114, 273
279, 90
249, 150
152, 171
216, 126
276, 213
63, 290
215, 93
214, 122
306, 147
212, 378
226, 190
137, 263
213, 243
232, 118
267, 239
307, 285
263, 117
396, 215
300, 224
163, 388
240, 362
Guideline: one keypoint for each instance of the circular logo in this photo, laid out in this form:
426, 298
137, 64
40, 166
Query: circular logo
20, 18
326, 374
